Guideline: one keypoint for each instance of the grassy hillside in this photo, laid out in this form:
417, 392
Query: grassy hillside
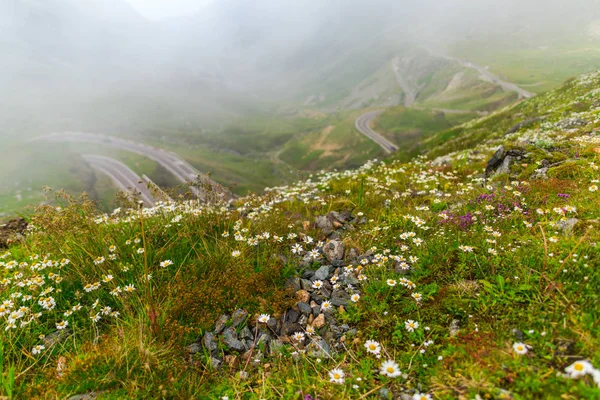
432, 278
338, 145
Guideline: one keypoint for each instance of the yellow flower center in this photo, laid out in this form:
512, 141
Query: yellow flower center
578, 367
390, 369
372, 347
520, 348
336, 376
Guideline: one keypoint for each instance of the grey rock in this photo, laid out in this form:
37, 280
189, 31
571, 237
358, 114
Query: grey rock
496, 160
276, 346
309, 273
318, 348
293, 283
353, 253
442, 161
304, 308
243, 375
334, 250
322, 273
288, 328
215, 362
220, 324
454, 327
264, 338
352, 332
292, 315
316, 310
340, 298
384, 393
518, 334
326, 292
209, 341
568, 123
324, 224
238, 317
505, 166
306, 285
85, 396
334, 236
317, 298
307, 261
350, 279
194, 348
540, 173
246, 333
56, 337
231, 341
566, 226
272, 324
338, 263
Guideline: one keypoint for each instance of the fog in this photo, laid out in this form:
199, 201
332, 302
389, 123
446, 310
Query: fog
67, 64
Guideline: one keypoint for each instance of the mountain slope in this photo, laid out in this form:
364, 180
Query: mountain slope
466, 272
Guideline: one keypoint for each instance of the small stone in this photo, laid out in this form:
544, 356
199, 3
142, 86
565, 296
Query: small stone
194, 348
288, 328
319, 322
272, 324
338, 263
56, 337
303, 296
318, 348
316, 310
518, 334
209, 341
243, 375
293, 283
309, 273
350, 279
245, 333
454, 327
340, 298
85, 396
215, 362
220, 324
384, 393
292, 315
231, 341
276, 346
238, 317
305, 284
324, 224
567, 225
322, 273
304, 308
334, 250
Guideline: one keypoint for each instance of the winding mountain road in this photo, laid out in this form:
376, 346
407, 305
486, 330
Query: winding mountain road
183, 171
487, 76
127, 180
363, 124
411, 92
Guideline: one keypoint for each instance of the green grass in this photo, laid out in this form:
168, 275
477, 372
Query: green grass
339, 146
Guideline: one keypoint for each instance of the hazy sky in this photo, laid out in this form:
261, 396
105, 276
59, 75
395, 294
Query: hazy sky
157, 9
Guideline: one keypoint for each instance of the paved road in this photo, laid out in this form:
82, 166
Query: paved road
127, 180
183, 171
489, 77
363, 122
